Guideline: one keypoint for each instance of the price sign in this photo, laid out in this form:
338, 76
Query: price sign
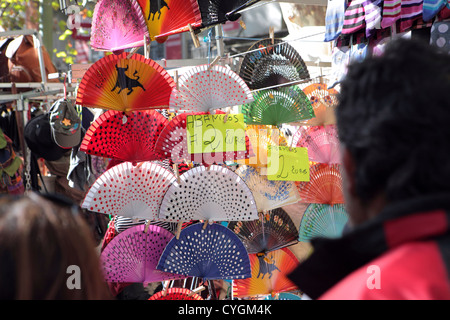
287, 164
207, 133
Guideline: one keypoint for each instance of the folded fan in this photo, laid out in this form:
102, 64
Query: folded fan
215, 193
132, 256
278, 106
215, 12
272, 231
204, 88
176, 294
322, 220
119, 82
125, 136
117, 25
274, 64
210, 253
130, 191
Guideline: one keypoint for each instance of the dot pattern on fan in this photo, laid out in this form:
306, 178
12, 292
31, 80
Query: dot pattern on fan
130, 191
211, 253
215, 193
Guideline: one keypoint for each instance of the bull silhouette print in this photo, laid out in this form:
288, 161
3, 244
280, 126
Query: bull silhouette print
266, 266
155, 7
125, 82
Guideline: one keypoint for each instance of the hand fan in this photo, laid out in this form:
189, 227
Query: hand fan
123, 223
125, 136
268, 194
130, 191
283, 296
269, 274
172, 143
215, 193
272, 65
204, 88
272, 231
210, 253
322, 220
275, 107
324, 102
168, 17
321, 141
117, 25
324, 186
215, 12
125, 84
132, 256
176, 294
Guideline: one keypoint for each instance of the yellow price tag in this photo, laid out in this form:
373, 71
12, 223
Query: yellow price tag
208, 133
287, 165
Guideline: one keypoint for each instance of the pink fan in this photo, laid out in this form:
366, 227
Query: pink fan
118, 25
132, 256
321, 141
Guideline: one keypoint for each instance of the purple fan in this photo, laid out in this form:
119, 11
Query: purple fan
211, 253
132, 256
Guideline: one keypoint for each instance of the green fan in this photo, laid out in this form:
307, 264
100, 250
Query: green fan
277, 106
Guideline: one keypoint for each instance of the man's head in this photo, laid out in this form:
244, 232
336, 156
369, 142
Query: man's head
393, 122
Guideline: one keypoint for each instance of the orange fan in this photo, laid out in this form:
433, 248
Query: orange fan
123, 83
324, 102
168, 17
269, 274
176, 294
324, 186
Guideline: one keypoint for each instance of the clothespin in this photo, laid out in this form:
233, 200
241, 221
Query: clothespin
180, 224
213, 63
205, 224
226, 116
242, 24
133, 51
272, 34
176, 80
197, 290
164, 292
194, 36
147, 223
146, 47
177, 172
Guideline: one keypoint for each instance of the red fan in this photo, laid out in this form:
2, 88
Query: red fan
125, 136
176, 294
325, 185
123, 83
172, 143
118, 25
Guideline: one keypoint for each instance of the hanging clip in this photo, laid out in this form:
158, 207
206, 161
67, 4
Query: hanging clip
272, 35
180, 224
176, 80
177, 172
133, 51
197, 290
213, 63
242, 24
194, 36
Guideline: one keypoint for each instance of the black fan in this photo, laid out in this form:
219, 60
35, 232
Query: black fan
220, 11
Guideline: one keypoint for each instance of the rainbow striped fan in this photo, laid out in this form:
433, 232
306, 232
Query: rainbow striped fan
204, 88
126, 84
168, 17
269, 274
172, 143
268, 194
324, 102
211, 253
130, 191
275, 107
321, 141
272, 231
125, 136
176, 294
215, 193
117, 25
132, 256
324, 186
322, 220
273, 64
215, 12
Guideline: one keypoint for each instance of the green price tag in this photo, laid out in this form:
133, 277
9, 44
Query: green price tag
287, 165
207, 133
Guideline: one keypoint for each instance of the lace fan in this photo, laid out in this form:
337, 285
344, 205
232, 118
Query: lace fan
322, 220
272, 231
130, 191
117, 25
215, 193
204, 88
125, 136
210, 253
278, 106
132, 256
120, 83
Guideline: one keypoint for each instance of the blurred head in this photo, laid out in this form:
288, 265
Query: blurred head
393, 124
39, 242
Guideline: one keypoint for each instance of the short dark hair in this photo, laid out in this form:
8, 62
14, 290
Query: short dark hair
393, 116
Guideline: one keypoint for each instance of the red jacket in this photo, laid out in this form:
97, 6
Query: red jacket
404, 253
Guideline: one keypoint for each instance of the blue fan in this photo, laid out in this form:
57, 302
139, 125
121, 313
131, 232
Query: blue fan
212, 252
283, 296
322, 220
